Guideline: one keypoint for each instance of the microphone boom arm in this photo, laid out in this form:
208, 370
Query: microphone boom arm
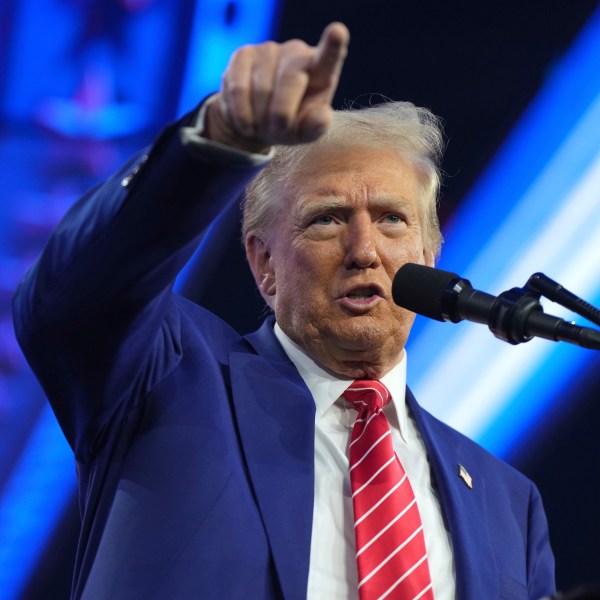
541, 284
517, 316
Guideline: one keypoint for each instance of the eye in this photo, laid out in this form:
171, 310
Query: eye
393, 218
323, 220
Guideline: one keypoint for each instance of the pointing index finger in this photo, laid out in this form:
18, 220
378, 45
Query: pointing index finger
331, 52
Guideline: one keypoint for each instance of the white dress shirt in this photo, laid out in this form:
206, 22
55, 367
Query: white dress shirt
332, 573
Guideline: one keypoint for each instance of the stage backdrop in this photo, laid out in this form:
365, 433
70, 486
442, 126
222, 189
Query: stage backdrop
85, 84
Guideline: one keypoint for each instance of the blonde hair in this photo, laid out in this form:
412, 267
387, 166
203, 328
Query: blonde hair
414, 132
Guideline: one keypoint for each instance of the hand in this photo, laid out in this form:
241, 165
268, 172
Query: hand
278, 93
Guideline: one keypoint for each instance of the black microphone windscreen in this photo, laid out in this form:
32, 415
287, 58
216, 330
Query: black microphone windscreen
423, 289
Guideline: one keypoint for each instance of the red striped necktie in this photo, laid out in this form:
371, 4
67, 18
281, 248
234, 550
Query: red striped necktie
390, 545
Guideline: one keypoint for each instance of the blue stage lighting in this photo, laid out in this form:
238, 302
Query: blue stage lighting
535, 208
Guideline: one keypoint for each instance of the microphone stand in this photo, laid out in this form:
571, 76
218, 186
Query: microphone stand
540, 284
517, 316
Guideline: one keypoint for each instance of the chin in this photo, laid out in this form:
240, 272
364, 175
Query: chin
363, 335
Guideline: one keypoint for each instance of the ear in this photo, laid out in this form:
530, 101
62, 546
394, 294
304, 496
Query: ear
259, 258
429, 258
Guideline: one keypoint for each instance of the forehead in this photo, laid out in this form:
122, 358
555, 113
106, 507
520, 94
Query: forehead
354, 173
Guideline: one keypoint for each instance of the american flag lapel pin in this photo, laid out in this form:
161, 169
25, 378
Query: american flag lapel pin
464, 475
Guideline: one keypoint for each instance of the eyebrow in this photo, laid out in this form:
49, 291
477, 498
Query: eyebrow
333, 203
324, 205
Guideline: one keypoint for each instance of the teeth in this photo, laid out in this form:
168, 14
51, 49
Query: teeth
359, 296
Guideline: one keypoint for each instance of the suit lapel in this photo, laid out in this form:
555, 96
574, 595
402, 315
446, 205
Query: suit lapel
464, 509
275, 416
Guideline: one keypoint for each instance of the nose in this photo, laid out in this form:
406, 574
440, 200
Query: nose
361, 244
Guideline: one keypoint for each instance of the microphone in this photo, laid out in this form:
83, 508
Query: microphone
514, 316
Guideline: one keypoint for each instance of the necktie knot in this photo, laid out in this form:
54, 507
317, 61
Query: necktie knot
367, 394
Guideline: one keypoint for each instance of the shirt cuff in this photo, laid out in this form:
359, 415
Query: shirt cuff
197, 144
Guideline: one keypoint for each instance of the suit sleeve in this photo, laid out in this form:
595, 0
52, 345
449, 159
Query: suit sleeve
540, 559
95, 315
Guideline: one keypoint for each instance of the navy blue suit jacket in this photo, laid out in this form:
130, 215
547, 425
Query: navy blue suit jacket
194, 445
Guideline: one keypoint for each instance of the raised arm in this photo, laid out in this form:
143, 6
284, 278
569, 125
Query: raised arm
95, 315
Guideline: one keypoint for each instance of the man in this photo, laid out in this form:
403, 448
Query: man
216, 466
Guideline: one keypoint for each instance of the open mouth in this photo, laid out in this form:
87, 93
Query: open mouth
363, 293
362, 298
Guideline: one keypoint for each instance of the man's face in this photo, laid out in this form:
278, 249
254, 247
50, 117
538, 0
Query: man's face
349, 221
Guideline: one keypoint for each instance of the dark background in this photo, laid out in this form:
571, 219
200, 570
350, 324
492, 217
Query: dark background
477, 64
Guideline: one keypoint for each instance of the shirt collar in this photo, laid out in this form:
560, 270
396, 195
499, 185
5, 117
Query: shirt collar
326, 388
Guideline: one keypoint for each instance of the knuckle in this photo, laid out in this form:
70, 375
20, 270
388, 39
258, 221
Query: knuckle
267, 53
293, 63
293, 79
239, 56
261, 85
236, 89
244, 50
270, 47
295, 46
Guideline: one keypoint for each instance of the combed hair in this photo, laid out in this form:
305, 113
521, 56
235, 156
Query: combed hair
413, 132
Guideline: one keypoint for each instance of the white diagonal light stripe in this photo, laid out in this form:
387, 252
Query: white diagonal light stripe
378, 503
399, 581
362, 487
378, 535
565, 245
388, 432
390, 556
561, 251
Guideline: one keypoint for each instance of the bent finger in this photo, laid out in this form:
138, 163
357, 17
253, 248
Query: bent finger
236, 89
264, 80
291, 82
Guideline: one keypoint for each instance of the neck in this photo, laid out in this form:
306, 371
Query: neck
351, 366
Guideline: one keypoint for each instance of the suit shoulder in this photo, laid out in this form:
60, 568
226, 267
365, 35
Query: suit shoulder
197, 321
